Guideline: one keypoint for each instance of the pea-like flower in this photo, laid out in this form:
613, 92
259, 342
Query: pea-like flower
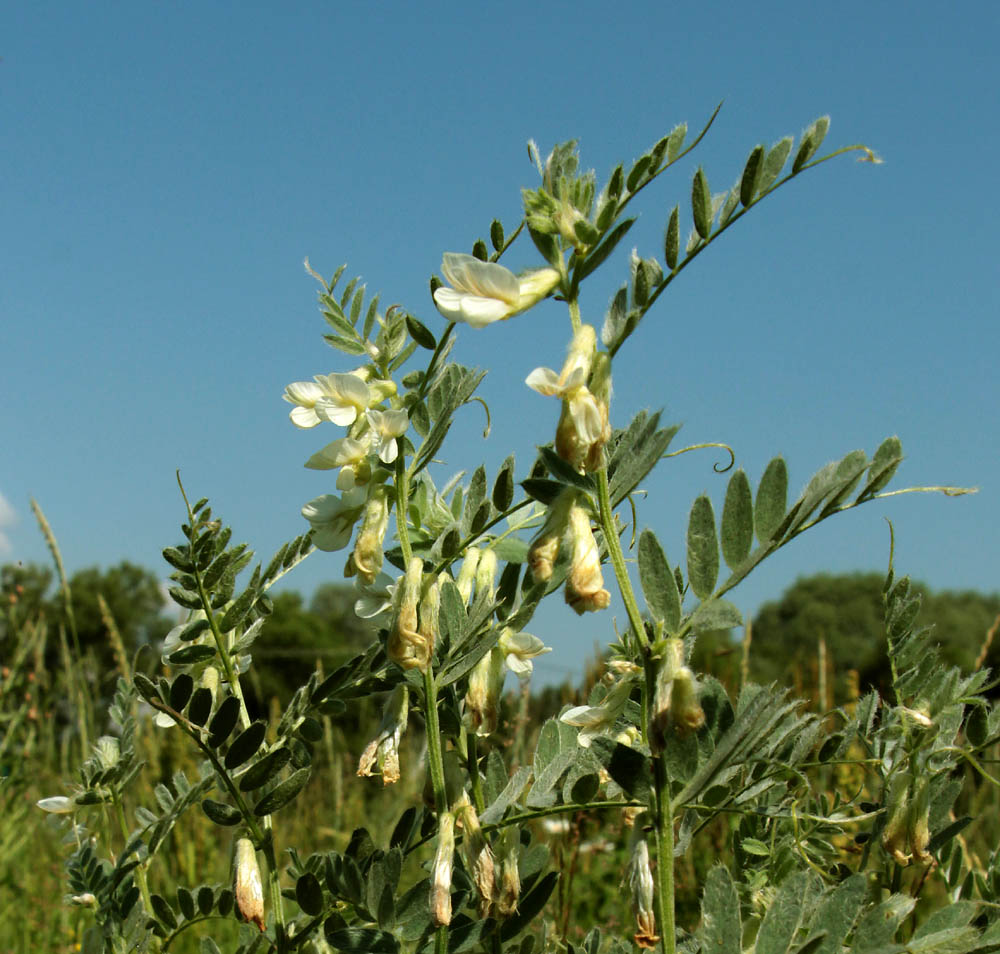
383, 751
247, 886
387, 426
519, 649
484, 292
333, 518
335, 397
350, 455
583, 427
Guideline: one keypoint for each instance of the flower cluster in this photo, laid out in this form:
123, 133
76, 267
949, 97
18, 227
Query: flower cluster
353, 400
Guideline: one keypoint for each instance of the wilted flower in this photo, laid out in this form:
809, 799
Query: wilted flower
919, 826
248, 888
387, 426
584, 584
350, 455
895, 835
367, 556
486, 574
444, 857
640, 883
482, 698
333, 518
484, 292
375, 598
478, 854
383, 751
675, 702
547, 543
407, 647
510, 877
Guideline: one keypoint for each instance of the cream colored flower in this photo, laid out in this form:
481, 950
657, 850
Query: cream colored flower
387, 426
583, 427
519, 649
383, 751
484, 292
350, 455
585, 583
338, 398
247, 887
333, 518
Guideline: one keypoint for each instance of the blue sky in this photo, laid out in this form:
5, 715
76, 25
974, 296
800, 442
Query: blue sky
166, 168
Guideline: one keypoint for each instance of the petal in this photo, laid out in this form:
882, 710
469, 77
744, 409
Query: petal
388, 451
345, 389
487, 279
449, 303
322, 508
303, 392
328, 409
346, 479
479, 312
56, 805
324, 459
586, 416
544, 381
303, 417
332, 538
395, 422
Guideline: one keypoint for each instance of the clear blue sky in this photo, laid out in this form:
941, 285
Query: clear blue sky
165, 168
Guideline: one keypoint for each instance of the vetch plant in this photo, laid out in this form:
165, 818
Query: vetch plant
452, 577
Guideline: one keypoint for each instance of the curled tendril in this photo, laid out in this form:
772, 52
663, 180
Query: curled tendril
715, 466
486, 408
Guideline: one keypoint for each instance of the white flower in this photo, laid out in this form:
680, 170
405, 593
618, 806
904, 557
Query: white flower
484, 292
519, 649
333, 518
338, 398
56, 805
388, 425
599, 720
375, 598
349, 455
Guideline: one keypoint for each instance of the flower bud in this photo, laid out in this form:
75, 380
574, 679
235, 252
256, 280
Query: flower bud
486, 574
510, 877
406, 647
687, 713
367, 556
535, 285
478, 854
430, 609
896, 833
383, 750
585, 584
467, 575
482, 698
663, 697
545, 547
919, 830
640, 883
248, 888
440, 901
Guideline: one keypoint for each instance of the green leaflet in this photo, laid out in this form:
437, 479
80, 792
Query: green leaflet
737, 520
702, 548
658, 583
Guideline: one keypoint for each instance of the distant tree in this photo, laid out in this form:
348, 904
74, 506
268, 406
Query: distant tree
846, 611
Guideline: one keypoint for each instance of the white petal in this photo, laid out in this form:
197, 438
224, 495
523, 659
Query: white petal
163, 720
303, 392
395, 423
331, 538
345, 479
388, 451
56, 805
322, 508
346, 389
328, 409
480, 312
303, 417
321, 460
449, 303
544, 381
586, 416
491, 281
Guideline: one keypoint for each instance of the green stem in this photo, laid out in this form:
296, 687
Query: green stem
435, 764
614, 546
402, 496
140, 870
664, 820
574, 314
